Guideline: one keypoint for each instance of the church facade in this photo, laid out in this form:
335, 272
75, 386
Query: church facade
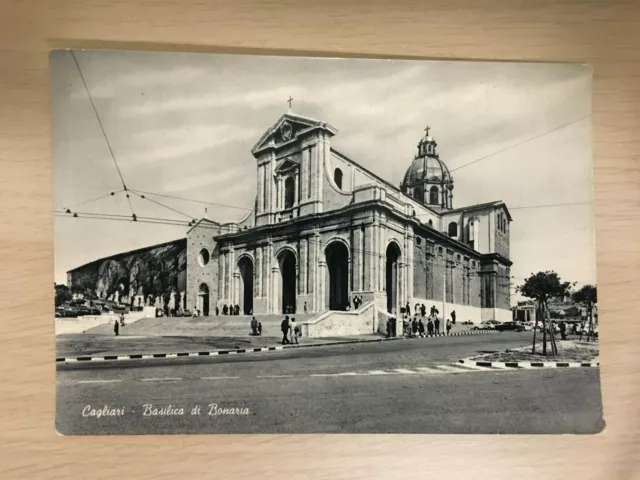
324, 229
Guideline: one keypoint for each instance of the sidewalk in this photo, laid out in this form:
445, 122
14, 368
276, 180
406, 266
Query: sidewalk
88, 347
87, 344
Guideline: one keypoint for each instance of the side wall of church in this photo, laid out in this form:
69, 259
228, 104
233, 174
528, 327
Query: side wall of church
200, 239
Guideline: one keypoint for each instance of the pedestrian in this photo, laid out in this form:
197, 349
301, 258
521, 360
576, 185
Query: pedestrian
225, 309
284, 326
122, 319
453, 317
217, 311
116, 328
294, 330
423, 310
436, 324
430, 327
389, 327
420, 328
448, 326
563, 331
408, 309
259, 328
414, 327
254, 326
305, 307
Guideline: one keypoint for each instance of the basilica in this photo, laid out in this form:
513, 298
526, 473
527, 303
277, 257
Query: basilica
325, 230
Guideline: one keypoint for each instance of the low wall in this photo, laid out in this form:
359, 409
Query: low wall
463, 312
339, 324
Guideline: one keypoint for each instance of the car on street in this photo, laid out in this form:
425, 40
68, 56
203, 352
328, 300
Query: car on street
509, 327
486, 325
467, 322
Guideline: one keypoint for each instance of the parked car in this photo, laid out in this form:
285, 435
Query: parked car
186, 313
509, 327
487, 325
467, 322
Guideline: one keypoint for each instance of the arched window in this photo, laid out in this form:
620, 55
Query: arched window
504, 225
337, 177
289, 192
453, 229
430, 223
418, 194
433, 195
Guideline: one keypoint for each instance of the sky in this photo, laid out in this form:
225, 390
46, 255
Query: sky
183, 125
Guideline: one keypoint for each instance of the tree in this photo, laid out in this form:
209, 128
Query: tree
62, 294
542, 287
588, 296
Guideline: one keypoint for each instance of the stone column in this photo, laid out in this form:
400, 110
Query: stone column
232, 271
322, 271
260, 193
369, 281
410, 262
223, 274
275, 290
314, 245
302, 280
381, 259
257, 269
296, 194
355, 259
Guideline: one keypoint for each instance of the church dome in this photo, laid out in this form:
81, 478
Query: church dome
426, 170
428, 179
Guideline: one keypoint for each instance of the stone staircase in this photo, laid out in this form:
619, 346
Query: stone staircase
213, 326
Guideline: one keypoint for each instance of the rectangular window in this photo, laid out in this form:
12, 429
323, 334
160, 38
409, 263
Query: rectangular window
265, 188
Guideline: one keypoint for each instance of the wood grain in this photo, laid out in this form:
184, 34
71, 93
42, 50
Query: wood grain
602, 33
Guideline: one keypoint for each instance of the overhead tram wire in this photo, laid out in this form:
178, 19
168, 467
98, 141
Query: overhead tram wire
162, 205
520, 143
104, 134
110, 194
175, 197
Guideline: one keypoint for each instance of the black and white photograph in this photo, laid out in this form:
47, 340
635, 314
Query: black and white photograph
282, 244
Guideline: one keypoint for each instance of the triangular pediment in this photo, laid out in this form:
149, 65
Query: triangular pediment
287, 129
287, 163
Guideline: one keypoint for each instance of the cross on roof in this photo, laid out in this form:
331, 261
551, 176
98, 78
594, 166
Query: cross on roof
427, 130
289, 101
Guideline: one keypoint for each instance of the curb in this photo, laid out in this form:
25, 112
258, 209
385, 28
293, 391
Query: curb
530, 364
150, 356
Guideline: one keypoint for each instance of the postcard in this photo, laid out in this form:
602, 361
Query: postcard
279, 244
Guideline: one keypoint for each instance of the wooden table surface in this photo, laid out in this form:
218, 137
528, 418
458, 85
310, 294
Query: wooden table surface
602, 33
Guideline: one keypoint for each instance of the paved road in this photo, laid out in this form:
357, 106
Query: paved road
407, 386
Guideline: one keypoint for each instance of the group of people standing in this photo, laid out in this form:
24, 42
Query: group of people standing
230, 310
415, 327
290, 330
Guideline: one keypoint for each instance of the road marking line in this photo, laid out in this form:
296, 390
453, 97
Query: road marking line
146, 357
172, 355
447, 368
473, 367
403, 370
97, 359
274, 376
378, 372
217, 378
160, 379
429, 370
98, 381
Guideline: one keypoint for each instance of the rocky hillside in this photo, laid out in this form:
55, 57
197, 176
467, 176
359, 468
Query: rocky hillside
155, 271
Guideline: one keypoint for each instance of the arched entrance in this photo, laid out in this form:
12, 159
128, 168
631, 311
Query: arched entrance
337, 256
245, 265
287, 263
393, 255
203, 300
